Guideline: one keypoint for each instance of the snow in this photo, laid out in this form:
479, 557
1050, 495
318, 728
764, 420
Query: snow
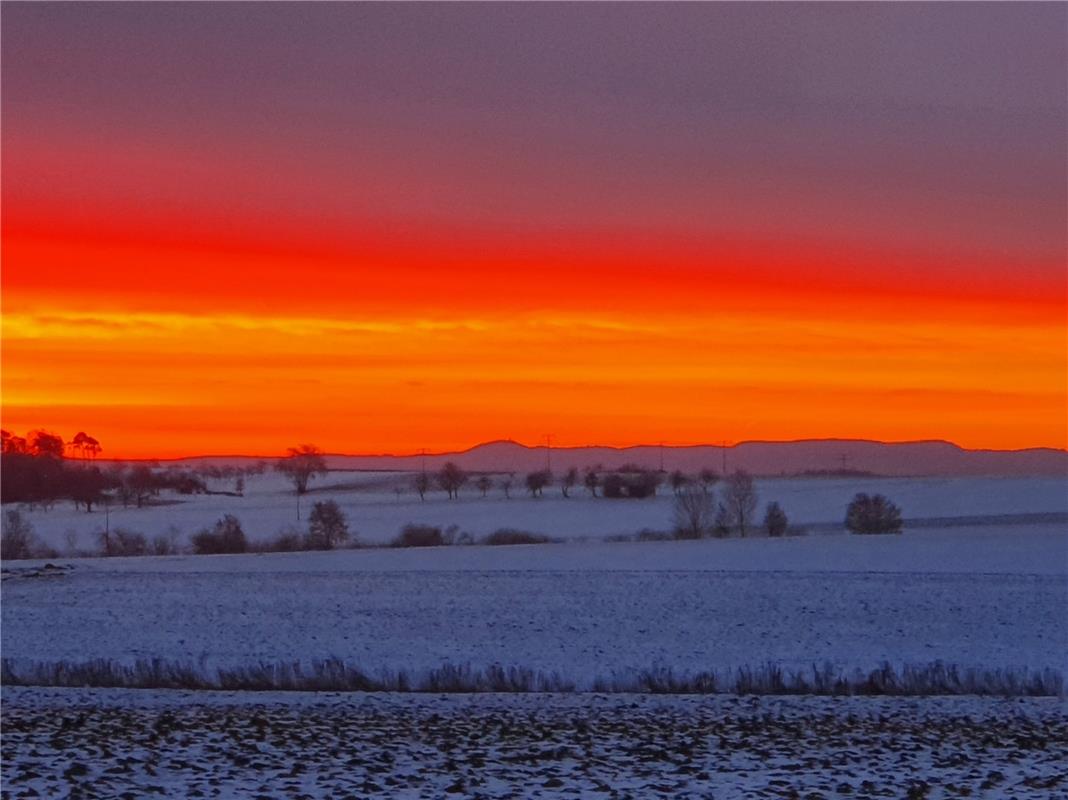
376, 512
983, 597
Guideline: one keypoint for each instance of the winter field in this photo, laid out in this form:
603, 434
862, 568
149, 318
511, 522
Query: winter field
379, 504
608, 624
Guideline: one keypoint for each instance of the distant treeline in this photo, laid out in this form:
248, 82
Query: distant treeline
37, 470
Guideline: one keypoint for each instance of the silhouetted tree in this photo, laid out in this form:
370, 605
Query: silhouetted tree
569, 481
693, 513
85, 486
721, 526
85, 445
140, 482
9, 443
707, 478
484, 484
636, 483
301, 464
740, 499
327, 527
506, 485
591, 480
43, 443
17, 539
451, 478
421, 484
678, 481
874, 514
536, 481
775, 520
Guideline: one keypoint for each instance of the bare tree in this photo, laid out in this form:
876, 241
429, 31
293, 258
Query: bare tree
569, 481
741, 500
693, 513
722, 525
536, 481
592, 480
421, 484
138, 484
451, 478
17, 540
678, 481
506, 485
301, 464
707, 478
484, 484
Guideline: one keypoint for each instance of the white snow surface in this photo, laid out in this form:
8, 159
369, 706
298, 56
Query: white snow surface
983, 597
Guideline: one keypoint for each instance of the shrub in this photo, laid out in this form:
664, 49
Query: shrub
649, 535
17, 539
775, 520
419, 536
874, 514
635, 484
693, 513
225, 537
289, 540
537, 481
126, 543
326, 526
506, 536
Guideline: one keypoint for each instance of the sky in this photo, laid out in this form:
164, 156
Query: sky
235, 227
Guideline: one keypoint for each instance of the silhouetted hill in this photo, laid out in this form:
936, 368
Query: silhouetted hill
760, 458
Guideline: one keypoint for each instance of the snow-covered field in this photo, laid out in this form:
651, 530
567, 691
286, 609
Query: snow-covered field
984, 596
981, 597
376, 512
99, 743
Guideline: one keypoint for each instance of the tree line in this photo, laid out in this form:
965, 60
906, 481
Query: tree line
38, 470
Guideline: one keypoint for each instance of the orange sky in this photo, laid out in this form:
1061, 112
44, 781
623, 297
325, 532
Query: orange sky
249, 275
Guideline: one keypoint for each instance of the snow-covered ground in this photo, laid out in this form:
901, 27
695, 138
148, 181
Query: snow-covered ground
100, 743
982, 597
376, 512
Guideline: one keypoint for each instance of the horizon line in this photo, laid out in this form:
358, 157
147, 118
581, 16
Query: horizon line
618, 448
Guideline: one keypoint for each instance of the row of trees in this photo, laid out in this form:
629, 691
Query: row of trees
629, 481
697, 512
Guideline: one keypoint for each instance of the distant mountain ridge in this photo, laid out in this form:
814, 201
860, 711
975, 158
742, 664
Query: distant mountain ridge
936, 458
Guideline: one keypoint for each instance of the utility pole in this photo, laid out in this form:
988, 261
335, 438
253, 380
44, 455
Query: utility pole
548, 452
723, 450
661, 456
